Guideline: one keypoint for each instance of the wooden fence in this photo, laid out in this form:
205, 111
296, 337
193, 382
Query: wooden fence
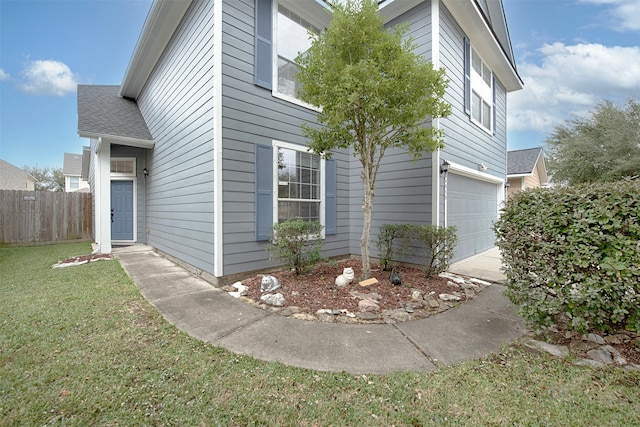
37, 217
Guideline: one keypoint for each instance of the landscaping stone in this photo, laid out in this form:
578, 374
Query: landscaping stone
552, 349
453, 277
449, 297
367, 315
601, 356
593, 337
368, 305
274, 300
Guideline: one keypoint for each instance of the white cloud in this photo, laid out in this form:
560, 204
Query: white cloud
570, 80
48, 77
625, 14
3, 75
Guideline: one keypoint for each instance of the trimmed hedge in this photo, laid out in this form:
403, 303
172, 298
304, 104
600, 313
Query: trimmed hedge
297, 243
434, 243
572, 255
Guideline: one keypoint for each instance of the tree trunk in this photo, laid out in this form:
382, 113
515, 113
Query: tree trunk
366, 231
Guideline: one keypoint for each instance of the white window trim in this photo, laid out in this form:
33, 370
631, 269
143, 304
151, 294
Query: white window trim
122, 174
484, 92
287, 145
274, 50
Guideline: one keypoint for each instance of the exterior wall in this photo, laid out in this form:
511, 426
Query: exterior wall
177, 105
403, 187
250, 116
515, 185
140, 155
533, 181
82, 184
466, 143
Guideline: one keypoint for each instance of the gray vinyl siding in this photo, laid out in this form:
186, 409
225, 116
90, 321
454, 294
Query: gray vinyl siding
403, 187
466, 143
140, 155
177, 105
250, 116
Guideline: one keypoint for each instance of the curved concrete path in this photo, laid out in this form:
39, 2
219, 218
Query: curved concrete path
469, 331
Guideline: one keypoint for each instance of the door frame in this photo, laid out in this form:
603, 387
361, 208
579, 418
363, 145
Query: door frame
134, 181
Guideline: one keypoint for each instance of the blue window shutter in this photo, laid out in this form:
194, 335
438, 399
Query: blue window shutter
330, 206
264, 191
494, 103
263, 56
467, 76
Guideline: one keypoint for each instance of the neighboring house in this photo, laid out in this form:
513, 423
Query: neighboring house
199, 150
14, 178
526, 169
72, 171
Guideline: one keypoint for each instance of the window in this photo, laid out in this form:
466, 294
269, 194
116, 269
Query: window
299, 192
74, 182
123, 166
292, 38
479, 90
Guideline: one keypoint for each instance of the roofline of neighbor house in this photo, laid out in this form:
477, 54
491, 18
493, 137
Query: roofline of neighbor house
486, 42
159, 26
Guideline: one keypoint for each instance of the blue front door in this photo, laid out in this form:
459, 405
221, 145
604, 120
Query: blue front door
121, 210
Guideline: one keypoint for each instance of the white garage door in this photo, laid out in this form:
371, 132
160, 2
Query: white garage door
472, 206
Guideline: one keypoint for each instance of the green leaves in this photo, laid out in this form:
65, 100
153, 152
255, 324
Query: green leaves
298, 243
579, 247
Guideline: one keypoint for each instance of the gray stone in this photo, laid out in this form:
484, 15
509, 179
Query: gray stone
617, 338
593, 337
617, 357
588, 362
368, 305
367, 315
599, 355
480, 282
469, 294
449, 297
372, 296
434, 303
552, 349
580, 346
275, 300
417, 294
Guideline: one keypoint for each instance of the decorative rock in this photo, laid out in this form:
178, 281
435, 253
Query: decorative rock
242, 289
304, 316
594, 338
588, 362
434, 303
554, 350
324, 311
368, 315
449, 297
599, 355
469, 294
617, 338
269, 284
275, 300
480, 282
235, 294
373, 295
368, 305
398, 316
417, 294
617, 358
452, 277
580, 346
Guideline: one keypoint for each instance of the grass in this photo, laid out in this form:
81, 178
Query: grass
81, 346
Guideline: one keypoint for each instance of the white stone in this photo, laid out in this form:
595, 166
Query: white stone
480, 282
554, 350
275, 300
242, 289
449, 297
452, 277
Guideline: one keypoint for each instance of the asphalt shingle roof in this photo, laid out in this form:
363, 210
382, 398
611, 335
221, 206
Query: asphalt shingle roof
72, 164
522, 161
102, 112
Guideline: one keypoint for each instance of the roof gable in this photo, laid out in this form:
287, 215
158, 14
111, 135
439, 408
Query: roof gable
72, 164
102, 113
522, 162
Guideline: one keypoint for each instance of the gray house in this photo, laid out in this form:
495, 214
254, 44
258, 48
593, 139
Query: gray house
199, 150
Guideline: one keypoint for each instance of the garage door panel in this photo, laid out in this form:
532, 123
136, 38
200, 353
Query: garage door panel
472, 208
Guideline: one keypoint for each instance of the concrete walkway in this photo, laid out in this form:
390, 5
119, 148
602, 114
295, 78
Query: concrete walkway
471, 330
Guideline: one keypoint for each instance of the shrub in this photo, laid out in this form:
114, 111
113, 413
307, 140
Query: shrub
435, 243
298, 243
572, 255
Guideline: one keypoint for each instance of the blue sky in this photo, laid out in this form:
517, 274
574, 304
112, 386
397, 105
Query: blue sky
571, 54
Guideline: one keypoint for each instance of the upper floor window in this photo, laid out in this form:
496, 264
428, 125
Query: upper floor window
123, 166
74, 182
481, 92
291, 39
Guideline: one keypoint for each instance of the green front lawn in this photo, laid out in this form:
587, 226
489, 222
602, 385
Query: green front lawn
81, 346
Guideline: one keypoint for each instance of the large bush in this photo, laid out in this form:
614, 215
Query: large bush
572, 255
434, 243
296, 242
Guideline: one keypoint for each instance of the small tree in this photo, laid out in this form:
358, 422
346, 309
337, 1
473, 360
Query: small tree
297, 242
375, 94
